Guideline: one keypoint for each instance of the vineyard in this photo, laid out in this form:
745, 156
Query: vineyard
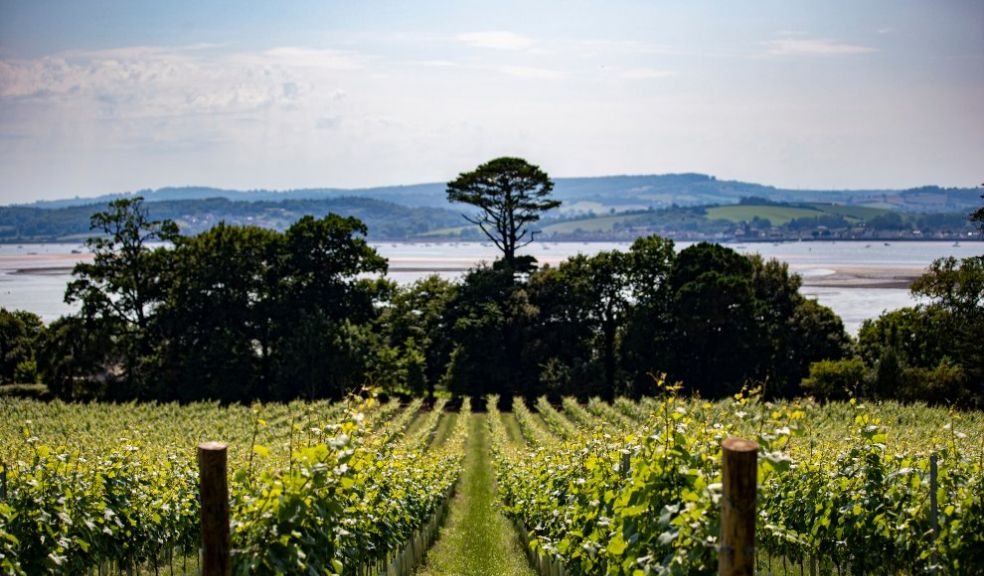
314, 488
359, 487
634, 489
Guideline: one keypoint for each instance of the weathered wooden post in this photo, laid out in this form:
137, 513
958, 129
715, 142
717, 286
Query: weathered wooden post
736, 551
933, 510
932, 495
215, 509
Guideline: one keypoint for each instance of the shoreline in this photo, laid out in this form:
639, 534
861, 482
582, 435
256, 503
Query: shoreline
837, 277
865, 277
80, 244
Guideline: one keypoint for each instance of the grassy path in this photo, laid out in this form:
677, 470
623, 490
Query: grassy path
476, 540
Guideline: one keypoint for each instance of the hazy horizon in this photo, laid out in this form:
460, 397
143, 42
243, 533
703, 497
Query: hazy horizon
110, 97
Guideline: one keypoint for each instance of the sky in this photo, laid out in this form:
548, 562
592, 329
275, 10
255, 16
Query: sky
112, 96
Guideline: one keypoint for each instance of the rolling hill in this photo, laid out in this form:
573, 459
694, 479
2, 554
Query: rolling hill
681, 205
586, 195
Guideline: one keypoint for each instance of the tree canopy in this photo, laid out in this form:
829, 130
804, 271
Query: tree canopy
122, 286
978, 215
19, 335
510, 194
935, 347
235, 313
241, 313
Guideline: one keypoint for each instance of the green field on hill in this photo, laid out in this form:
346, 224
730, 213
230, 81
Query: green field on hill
779, 215
595, 224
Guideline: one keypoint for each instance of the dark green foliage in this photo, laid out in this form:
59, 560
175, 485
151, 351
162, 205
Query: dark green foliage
233, 314
812, 223
978, 216
217, 316
73, 358
647, 335
583, 303
797, 330
489, 320
956, 285
946, 383
717, 343
33, 391
279, 315
568, 341
323, 306
242, 313
936, 346
20, 333
608, 324
416, 325
735, 320
888, 375
835, 379
120, 290
916, 334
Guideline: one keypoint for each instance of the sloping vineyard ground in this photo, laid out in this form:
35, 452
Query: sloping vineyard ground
842, 488
621, 488
477, 539
314, 488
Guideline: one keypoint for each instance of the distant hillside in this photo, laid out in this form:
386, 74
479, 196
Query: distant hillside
598, 194
385, 220
608, 207
413, 195
757, 218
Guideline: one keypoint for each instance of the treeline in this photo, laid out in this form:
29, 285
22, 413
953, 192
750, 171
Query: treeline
240, 313
933, 352
388, 220
608, 324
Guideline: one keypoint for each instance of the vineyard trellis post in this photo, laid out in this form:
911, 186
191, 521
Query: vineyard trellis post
215, 509
739, 471
933, 522
3, 481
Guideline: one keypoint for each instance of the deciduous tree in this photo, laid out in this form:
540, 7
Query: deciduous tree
20, 332
120, 289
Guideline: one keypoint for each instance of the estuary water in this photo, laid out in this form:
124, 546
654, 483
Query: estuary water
858, 280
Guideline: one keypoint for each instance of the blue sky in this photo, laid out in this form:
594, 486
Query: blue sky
99, 97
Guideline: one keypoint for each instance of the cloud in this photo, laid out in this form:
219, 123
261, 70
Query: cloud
496, 40
646, 73
135, 82
799, 46
532, 72
597, 47
306, 57
328, 123
434, 63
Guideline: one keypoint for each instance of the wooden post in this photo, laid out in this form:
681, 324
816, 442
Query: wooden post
215, 509
3, 481
933, 510
736, 551
626, 462
932, 495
